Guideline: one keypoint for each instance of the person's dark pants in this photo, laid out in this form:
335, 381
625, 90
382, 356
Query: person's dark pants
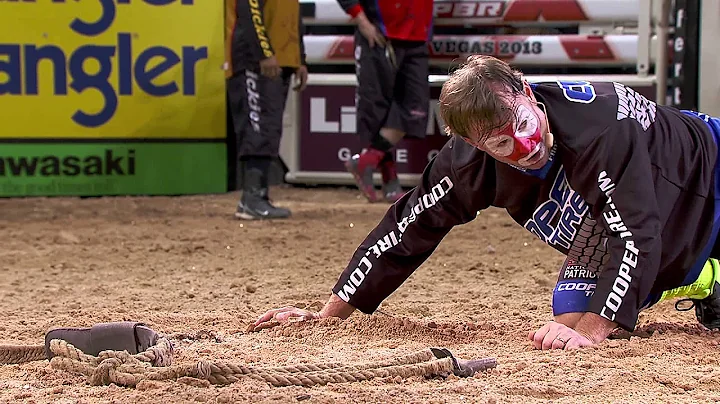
391, 97
393, 92
257, 105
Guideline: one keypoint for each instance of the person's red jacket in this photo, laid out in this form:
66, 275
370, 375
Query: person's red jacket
410, 20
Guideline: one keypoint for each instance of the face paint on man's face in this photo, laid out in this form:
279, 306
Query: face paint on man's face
521, 142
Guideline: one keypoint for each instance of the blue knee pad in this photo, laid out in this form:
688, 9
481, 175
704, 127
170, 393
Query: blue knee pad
575, 287
572, 295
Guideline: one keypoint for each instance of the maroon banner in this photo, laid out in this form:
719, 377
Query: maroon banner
328, 137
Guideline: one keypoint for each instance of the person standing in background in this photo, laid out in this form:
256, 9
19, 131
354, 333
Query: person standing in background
393, 94
264, 48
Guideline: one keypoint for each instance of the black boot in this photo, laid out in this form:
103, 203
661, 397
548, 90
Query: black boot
707, 310
254, 203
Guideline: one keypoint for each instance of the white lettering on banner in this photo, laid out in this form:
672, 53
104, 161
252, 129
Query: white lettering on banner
401, 155
557, 221
344, 154
347, 120
630, 257
393, 238
319, 122
469, 9
452, 46
632, 104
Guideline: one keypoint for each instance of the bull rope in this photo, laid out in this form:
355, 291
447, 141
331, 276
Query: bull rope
125, 369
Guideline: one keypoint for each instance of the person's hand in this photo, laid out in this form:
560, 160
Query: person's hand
273, 317
558, 336
370, 32
269, 67
301, 78
334, 307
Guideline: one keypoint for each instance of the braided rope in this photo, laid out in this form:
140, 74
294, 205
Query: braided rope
124, 369
415, 357
14, 354
116, 370
158, 355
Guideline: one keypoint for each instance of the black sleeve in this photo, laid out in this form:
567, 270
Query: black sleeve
347, 5
408, 234
615, 176
250, 14
301, 38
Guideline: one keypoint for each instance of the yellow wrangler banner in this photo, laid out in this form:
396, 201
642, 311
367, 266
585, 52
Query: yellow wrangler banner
120, 69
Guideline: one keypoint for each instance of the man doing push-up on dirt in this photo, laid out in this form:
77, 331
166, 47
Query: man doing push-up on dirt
626, 188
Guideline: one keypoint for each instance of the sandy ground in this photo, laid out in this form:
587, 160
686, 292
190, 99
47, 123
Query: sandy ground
187, 269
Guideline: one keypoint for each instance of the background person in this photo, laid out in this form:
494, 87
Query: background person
393, 94
264, 48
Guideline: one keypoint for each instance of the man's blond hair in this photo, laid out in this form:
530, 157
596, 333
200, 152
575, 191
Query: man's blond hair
476, 98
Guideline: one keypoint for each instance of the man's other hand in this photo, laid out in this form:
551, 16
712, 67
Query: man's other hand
558, 336
334, 307
282, 315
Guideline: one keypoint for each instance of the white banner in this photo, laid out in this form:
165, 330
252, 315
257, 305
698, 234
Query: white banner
520, 50
466, 12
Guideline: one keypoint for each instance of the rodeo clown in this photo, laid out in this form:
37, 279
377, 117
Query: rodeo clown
628, 190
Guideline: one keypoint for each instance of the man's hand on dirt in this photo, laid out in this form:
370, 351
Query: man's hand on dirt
269, 67
558, 336
274, 317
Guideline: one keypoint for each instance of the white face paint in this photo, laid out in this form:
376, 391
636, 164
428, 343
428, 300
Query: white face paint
525, 126
527, 122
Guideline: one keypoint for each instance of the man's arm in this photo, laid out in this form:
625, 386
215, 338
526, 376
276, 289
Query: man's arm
616, 177
250, 16
334, 307
594, 327
406, 236
410, 232
301, 39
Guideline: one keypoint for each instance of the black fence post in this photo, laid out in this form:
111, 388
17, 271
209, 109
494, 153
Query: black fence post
683, 75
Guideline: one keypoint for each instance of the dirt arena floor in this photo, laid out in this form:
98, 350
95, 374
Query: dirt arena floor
186, 268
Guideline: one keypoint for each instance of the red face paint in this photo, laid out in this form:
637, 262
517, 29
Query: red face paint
519, 139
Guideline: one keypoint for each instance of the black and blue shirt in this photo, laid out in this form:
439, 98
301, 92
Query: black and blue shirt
630, 193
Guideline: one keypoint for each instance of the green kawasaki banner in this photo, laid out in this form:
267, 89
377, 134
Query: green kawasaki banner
95, 169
